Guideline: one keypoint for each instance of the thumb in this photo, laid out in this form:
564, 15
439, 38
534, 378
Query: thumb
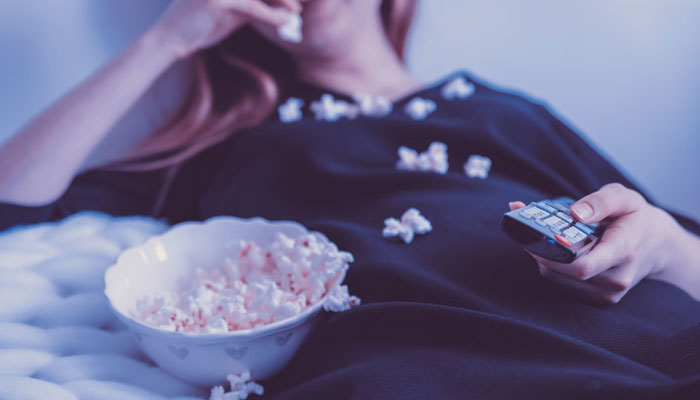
612, 200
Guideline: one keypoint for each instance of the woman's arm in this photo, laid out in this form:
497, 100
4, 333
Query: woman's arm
39, 162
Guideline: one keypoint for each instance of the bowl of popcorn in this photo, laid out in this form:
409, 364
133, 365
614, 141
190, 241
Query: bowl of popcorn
227, 296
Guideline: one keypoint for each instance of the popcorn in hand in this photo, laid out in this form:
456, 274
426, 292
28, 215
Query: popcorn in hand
457, 88
419, 108
290, 111
411, 223
331, 110
241, 388
434, 159
373, 106
291, 30
477, 167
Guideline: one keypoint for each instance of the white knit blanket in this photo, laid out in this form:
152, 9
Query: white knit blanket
58, 338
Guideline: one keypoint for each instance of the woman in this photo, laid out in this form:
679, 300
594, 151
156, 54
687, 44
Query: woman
459, 313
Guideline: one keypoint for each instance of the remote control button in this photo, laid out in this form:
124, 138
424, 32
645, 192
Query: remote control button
560, 207
586, 229
547, 207
565, 217
533, 212
541, 222
574, 235
563, 240
567, 201
556, 223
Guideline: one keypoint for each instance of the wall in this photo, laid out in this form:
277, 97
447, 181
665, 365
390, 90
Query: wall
624, 72
49, 46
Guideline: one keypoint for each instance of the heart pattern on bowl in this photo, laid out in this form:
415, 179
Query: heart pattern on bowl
235, 353
180, 353
283, 339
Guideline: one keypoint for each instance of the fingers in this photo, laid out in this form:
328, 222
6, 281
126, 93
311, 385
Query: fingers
617, 281
514, 205
606, 254
605, 289
255, 9
580, 288
611, 200
616, 262
604, 275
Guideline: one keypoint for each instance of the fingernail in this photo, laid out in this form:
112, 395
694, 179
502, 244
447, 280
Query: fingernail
583, 210
511, 204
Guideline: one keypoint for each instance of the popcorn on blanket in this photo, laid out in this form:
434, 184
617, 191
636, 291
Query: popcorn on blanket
434, 159
477, 167
411, 223
373, 106
457, 88
241, 388
331, 110
290, 111
419, 108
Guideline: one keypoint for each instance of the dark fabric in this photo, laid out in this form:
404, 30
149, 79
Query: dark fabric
460, 313
116, 193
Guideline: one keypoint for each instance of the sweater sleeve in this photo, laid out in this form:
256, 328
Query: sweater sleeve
112, 192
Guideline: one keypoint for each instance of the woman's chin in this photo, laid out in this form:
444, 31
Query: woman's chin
312, 8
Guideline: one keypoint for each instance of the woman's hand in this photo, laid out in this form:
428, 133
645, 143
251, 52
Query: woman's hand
639, 241
191, 25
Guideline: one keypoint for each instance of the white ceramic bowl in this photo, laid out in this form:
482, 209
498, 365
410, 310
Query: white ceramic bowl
205, 359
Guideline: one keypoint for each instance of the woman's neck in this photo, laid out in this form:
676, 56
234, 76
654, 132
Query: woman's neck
366, 64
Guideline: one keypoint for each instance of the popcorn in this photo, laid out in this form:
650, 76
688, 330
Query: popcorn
457, 88
339, 299
419, 108
241, 388
331, 110
411, 223
434, 159
290, 111
254, 287
477, 167
373, 106
291, 30
217, 393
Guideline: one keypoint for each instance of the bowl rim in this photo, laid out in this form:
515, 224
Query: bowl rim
242, 334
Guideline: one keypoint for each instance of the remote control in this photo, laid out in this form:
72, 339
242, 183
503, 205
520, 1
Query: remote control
546, 228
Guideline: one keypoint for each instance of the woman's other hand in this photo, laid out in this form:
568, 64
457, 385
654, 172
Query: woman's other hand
639, 241
191, 25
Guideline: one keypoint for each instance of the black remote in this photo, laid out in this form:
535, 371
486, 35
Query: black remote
546, 228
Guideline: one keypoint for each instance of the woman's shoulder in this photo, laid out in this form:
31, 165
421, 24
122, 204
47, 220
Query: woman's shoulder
466, 97
479, 89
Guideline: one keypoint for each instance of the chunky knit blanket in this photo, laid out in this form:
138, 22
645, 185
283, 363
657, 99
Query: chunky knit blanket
58, 338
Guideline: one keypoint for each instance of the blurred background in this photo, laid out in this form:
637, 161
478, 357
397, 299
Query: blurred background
624, 73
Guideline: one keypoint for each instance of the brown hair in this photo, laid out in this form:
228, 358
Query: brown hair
236, 84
